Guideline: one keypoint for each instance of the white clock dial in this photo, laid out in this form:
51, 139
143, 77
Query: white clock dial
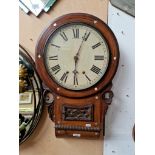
76, 56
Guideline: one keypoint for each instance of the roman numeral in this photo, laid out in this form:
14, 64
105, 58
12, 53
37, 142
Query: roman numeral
53, 57
98, 57
96, 45
63, 35
56, 69
86, 35
76, 33
75, 80
55, 45
95, 69
64, 77
87, 78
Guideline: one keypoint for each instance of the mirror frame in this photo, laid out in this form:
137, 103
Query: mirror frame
38, 109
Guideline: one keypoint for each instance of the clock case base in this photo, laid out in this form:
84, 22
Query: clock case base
82, 118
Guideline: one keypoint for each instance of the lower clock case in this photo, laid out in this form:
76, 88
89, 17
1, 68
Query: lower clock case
82, 117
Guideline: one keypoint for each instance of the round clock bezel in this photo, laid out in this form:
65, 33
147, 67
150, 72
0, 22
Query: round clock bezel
107, 34
47, 43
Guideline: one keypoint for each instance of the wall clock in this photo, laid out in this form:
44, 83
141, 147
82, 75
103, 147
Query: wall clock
77, 57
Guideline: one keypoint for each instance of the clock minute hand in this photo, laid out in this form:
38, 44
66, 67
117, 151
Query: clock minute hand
76, 58
78, 52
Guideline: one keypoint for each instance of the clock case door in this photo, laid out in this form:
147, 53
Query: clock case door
78, 117
81, 113
82, 117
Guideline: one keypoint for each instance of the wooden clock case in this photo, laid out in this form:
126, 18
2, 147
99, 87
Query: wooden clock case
79, 113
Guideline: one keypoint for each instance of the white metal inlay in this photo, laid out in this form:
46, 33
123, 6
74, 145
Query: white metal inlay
95, 89
115, 58
95, 21
76, 135
58, 97
96, 97
55, 24
58, 89
88, 125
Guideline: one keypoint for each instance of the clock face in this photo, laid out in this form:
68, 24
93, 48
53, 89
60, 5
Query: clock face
76, 56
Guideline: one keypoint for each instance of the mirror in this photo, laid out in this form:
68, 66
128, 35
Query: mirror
30, 95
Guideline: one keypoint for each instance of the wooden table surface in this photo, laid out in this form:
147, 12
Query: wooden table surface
43, 140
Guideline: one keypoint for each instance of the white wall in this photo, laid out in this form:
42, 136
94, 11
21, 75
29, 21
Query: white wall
120, 115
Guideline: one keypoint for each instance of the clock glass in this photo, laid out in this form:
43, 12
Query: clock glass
76, 56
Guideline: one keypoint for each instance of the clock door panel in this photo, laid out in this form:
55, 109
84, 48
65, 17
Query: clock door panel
77, 116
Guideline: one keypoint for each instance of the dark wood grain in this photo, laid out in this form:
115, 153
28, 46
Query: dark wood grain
96, 129
94, 95
107, 34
